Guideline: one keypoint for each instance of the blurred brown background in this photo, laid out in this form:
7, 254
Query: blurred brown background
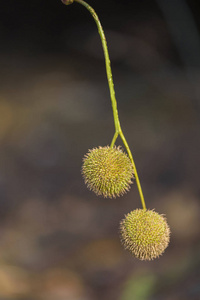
58, 241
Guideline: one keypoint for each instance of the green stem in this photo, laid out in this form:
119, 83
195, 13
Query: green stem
107, 62
134, 168
114, 139
118, 130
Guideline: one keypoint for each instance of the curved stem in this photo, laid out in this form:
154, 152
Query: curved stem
107, 62
114, 139
118, 130
134, 168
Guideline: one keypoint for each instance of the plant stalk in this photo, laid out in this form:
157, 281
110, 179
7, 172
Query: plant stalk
118, 130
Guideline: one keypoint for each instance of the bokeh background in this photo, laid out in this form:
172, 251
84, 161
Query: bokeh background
58, 241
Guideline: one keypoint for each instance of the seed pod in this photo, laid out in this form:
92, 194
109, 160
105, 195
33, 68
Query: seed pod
145, 233
107, 171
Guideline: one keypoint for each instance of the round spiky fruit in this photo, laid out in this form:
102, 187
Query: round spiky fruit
145, 233
107, 171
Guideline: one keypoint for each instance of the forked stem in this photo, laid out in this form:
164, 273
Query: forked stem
118, 130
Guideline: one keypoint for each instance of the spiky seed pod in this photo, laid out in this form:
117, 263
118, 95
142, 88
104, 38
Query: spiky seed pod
107, 171
145, 233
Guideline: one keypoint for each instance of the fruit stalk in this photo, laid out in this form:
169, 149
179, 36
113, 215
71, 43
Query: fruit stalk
118, 130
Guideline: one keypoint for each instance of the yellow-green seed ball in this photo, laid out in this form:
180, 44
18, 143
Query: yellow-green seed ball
145, 233
107, 171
